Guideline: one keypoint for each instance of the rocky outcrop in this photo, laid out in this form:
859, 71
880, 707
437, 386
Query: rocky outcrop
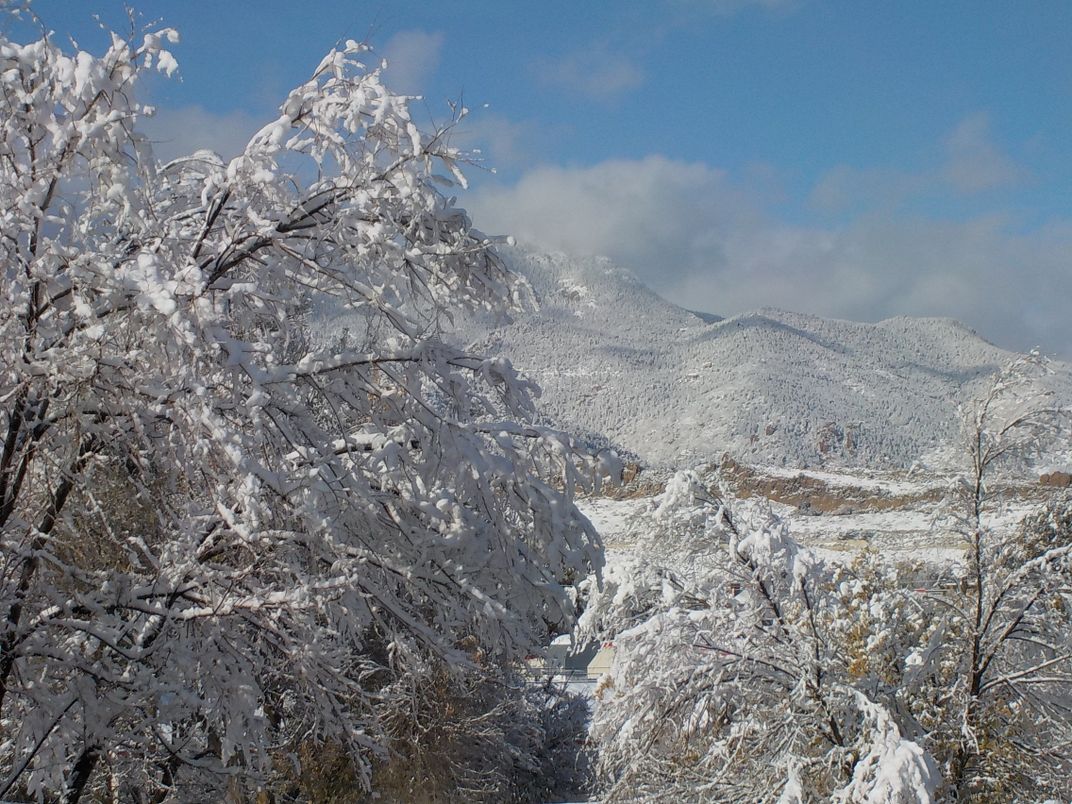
814, 495
1057, 480
833, 440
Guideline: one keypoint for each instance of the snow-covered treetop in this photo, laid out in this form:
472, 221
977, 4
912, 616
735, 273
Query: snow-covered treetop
223, 530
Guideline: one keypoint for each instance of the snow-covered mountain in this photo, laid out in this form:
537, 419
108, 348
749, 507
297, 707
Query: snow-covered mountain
772, 387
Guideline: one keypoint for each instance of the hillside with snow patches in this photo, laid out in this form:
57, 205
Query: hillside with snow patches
770, 387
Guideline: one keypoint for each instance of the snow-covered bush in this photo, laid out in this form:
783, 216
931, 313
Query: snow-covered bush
737, 683
223, 538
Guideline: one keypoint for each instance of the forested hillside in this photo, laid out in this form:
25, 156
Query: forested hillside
771, 387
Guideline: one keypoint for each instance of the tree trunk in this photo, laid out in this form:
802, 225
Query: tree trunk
80, 776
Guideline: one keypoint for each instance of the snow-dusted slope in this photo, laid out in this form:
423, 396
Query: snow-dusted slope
770, 387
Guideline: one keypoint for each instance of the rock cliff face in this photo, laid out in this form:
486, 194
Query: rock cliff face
816, 495
771, 387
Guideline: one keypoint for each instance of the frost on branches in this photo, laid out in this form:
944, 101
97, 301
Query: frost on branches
222, 538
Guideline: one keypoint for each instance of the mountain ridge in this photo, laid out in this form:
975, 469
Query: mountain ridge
680, 387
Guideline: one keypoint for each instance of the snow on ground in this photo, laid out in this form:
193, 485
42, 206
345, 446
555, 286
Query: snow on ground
910, 533
613, 518
907, 534
914, 532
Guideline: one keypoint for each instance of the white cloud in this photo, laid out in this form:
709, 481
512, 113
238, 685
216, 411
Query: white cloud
704, 242
845, 188
970, 163
501, 142
412, 58
974, 163
183, 130
597, 73
629, 210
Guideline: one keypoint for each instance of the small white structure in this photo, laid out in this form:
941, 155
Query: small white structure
563, 659
602, 661
558, 653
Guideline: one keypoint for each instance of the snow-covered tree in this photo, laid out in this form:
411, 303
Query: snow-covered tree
1001, 661
224, 531
738, 683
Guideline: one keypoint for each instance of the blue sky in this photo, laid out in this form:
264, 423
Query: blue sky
850, 159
